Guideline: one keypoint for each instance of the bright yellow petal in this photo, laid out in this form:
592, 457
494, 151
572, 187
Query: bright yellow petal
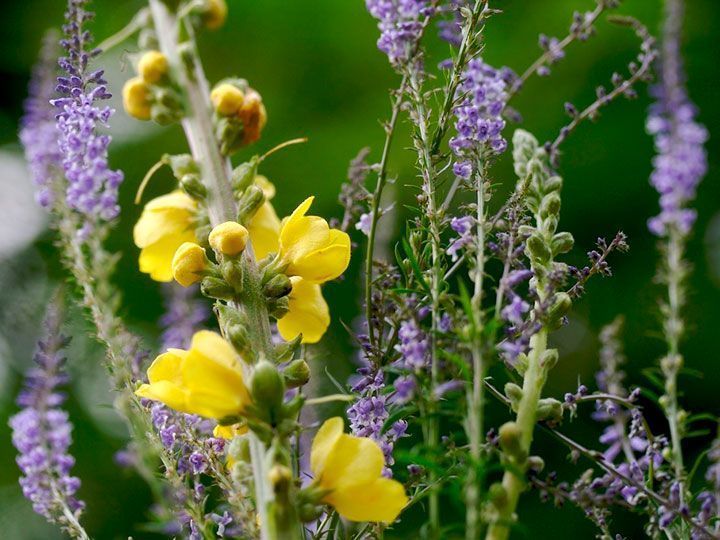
229, 432
323, 444
326, 263
168, 393
308, 313
213, 404
380, 500
166, 367
213, 346
294, 226
177, 199
156, 259
352, 461
154, 226
264, 231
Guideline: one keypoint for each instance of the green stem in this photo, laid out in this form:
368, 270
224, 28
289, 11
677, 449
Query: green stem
513, 480
216, 169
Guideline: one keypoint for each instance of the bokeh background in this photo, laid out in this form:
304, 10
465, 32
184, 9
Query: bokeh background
321, 76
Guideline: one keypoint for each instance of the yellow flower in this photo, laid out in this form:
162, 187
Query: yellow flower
264, 227
227, 99
228, 238
311, 249
153, 66
206, 380
308, 313
229, 432
350, 468
189, 263
165, 224
136, 98
215, 14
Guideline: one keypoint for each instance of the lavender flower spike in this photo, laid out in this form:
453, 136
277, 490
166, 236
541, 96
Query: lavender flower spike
37, 132
681, 160
400, 24
92, 186
42, 435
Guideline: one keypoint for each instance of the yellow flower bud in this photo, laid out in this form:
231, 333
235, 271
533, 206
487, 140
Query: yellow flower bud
215, 14
188, 264
153, 66
229, 238
227, 99
253, 116
136, 98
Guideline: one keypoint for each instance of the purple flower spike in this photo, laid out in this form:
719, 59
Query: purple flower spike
92, 188
400, 24
42, 433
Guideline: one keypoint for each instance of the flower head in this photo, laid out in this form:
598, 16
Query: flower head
308, 313
228, 238
227, 99
311, 249
165, 224
153, 66
350, 470
206, 380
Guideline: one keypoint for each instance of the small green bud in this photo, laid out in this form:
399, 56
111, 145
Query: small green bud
169, 99
193, 186
232, 271
162, 114
554, 183
514, 393
550, 410
213, 287
285, 351
267, 389
497, 495
244, 175
278, 286
549, 225
296, 373
550, 205
561, 305
536, 464
249, 203
562, 243
240, 339
511, 440
278, 307
181, 164
524, 147
537, 249
549, 359
308, 512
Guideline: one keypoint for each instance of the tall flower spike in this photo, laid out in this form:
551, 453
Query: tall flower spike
92, 186
681, 160
42, 434
37, 132
400, 24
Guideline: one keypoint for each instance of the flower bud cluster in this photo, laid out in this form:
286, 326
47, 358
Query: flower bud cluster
240, 115
152, 95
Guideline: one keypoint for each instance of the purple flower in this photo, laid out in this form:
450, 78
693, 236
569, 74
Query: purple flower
681, 160
42, 432
92, 186
478, 117
400, 24
405, 386
37, 132
413, 346
463, 226
515, 310
363, 224
451, 28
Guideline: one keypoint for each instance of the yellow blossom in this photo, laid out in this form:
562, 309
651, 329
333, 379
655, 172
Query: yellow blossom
228, 238
215, 14
153, 66
311, 249
264, 227
308, 313
205, 380
166, 223
136, 98
350, 469
229, 432
188, 264
227, 99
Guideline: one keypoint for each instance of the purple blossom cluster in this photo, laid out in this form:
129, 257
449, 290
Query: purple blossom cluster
184, 315
42, 432
369, 413
92, 186
478, 117
38, 134
450, 28
463, 226
681, 160
400, 24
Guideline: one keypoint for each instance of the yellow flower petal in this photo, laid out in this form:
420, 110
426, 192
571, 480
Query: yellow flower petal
353, 461
308, 313
175, 200
170, 394
229, 432
326, 263
292, 227
156, 259
323, 444
212, 345
166, 367
380, 500
264, 231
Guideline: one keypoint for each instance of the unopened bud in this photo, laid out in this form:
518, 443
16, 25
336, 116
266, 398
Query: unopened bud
278, 286
153, 66
550, 205
498, 495
193, 186
278, 307
280, 478
136, 98
296, 373
561, 305
549, 359
511, 439
549, 409
537, 249
514, 393
189, 264
268, 388
214, 13
250, 202
562, 243
217, 288
244, 174
535, 464
227, 99
229, 238
232, 270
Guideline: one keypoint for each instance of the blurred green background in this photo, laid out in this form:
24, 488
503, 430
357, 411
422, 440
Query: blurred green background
321, 76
